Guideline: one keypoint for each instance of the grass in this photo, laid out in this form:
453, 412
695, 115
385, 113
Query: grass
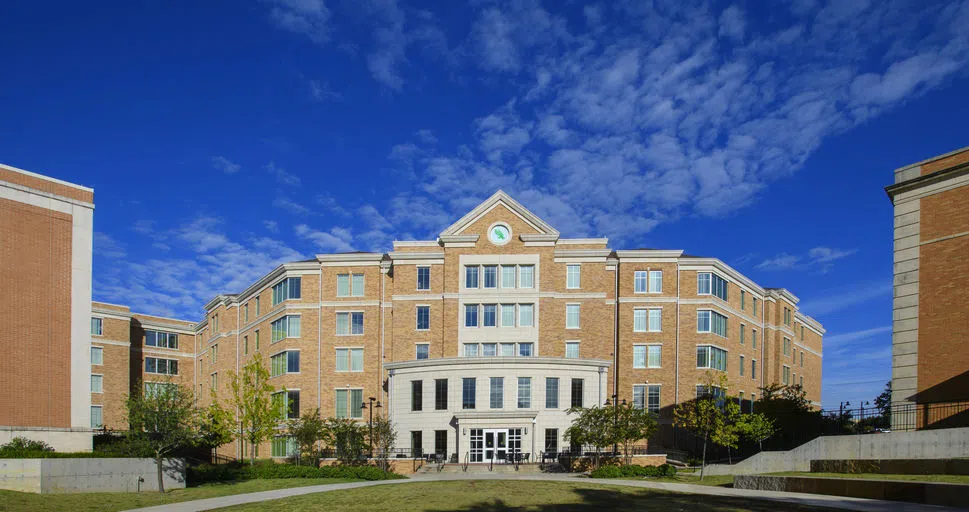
506, 495
950, 479
11, 501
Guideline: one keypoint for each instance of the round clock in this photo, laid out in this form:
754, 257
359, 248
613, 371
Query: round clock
499, 234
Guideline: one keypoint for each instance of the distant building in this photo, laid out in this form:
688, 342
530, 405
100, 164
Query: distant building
930, 362
46, 232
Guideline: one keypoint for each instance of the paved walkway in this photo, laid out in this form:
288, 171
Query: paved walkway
817, 500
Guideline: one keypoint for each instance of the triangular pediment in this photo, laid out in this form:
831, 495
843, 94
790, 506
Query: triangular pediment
498, 200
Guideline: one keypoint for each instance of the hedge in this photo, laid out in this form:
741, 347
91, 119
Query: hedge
633, 471
266, 469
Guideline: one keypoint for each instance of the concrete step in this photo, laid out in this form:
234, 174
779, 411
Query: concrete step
486, 468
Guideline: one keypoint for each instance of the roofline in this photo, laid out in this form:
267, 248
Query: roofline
356, 256
462, 361
940, 175
515, 206
46, 178
732, 272
262, 281
785, 293
929, 160
648, 253
805, 319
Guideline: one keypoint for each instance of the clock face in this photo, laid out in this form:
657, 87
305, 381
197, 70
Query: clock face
499, 234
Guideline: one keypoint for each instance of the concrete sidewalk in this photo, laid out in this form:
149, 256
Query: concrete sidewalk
816, 500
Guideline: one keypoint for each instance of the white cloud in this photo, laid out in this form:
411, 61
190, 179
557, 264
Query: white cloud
108, 247
282, 177
337, 239
817, 258
732, 23
287, 204
426, 137
271, 226
833, 301
321, 91
305, 17
850, 337
225, 165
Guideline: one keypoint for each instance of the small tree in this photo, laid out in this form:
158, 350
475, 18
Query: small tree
346, 437
632, 424
383, 440
307, 430
593, 426
710, 417
755, 427
163, 417
216, 425
252, 398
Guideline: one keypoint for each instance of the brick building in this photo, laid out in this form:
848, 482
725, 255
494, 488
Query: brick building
930, 364
45, 275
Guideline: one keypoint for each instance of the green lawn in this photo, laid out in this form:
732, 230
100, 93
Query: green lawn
506, 495
951, 479
11, 501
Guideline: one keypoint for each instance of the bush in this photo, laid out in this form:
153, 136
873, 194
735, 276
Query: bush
23, 448
634, 471
266, 469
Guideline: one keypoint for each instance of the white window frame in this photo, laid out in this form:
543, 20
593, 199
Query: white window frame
417, 349
101, 381
644, 313
645, 358
645, 280
711, 331
786, 375
514, 277
514, 315
350, 314
649, 347
569, 284
578, 315
418, 278
100, 324
100, 351
572, 343
287, 372
649, 320
348, 359
726, 355
417, 317
649, 286
522, 274
521, 308
100, 409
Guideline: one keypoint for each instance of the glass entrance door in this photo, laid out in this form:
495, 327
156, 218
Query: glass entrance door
495, 444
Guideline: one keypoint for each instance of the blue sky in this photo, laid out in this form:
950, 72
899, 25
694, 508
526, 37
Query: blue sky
223, 138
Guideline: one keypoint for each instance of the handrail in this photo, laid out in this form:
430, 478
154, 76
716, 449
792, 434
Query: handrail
467, 455
491, 464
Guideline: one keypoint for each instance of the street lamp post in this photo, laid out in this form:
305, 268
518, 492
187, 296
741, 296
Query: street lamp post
370, 423
615, 417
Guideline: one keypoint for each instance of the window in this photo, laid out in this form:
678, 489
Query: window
417, 443
639, 320
525, 315
711, 357
753, 368
571, 316
802, 333
787, 316
440, 394
97, 327
524, 392
787, 347
639, 281
801, 382
710, 391
508, 276
470, 350
349, 359
287, 402
741, 366
711, 321
551, 392
97, 383
286, 289
489, 349
802, 359
525, 349
470, 277
551, 440
283, 447
490, 276
646, 397
416, 395
497, 392
470, 315
440, 442
356, 285
753, 338
526, 276
257, 306
639, 356
214, 381
507, 315
214, 354
245, 344
654, 356
755, 306
349, 324
96, 417
284, 362
422, 351
215, 324
743, 300
655, 281
507, 350
490, 315
285, 327
349, 285
655, 320
348, 403
573, 276
151, 388
577, 385
709, 283
161, 366
467, 392
571, 349
423, 318
423, 278
743, 333
786, 377
245, 313
97, 355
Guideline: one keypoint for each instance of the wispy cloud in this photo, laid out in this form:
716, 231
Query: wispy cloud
282, 177
285, 203
225, 165
321, 91
305, 17
271, 226
337, 239
818, 258
853, 336
834, 301
108, 247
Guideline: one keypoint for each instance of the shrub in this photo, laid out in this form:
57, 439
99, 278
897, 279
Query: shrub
266, 469
633, 471
21, 447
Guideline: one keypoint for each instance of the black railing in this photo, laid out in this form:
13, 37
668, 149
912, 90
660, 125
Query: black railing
906, 416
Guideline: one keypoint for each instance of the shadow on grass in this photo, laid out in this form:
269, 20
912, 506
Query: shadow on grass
598, 500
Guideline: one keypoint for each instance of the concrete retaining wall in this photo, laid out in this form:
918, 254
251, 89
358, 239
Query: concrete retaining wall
89, 475
924, 444
929, 493
893, 467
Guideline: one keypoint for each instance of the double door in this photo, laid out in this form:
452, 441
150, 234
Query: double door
494, 444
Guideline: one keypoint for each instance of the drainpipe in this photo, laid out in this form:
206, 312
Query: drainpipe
319, 343
615, 337
676, 343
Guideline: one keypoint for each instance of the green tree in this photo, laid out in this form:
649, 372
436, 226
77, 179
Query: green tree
383, 439
216, 425
755, 427
711, 417
252, 398
346, 437
594, 426
795, 419
307, 430
631, 424
883, 403
163, 417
